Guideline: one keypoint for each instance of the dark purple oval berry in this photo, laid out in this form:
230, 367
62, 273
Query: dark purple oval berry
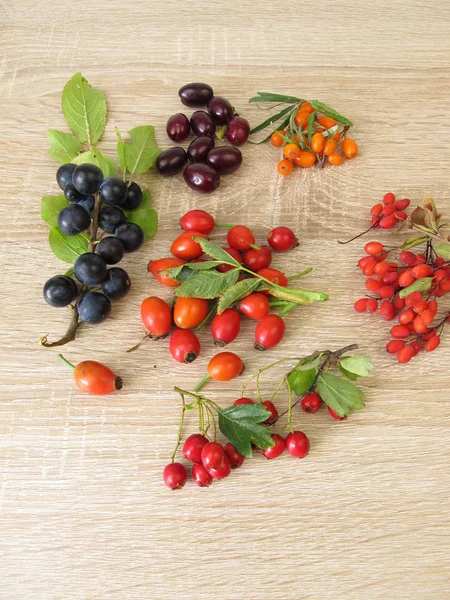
201, 178
195, 94
171, 161
238, 130
202, 124
220, 110
178, 127
224, 159
198, 149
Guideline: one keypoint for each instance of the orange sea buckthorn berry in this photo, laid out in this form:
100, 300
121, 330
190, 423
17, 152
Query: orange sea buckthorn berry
291, 151
350, 148
276, 139
330, 147
317, 142
327, 122
305, 160
337, 136
307, 108
335, 159
301, 118
284, 167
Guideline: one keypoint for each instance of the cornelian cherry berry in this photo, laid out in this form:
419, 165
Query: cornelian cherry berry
400, 331
201, 476
185, 248
197, 220
189, 312
175, 476
277, 449
389, 198
335, 415
270, 406
420, 271
406, 278
240, 238
282, 239
407, 258
225, 327
269, 332
258, 258
236, 459
156, 316
405, 354
243, 401
234, 254
432, 343
297, 444
373, 248
212, 455
406, 316
158, 267
193, 446
225, 366
255, 306
388, 222
394, 346
184, 345
311, 403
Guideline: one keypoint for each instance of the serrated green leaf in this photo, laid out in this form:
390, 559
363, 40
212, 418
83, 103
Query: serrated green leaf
95, 157
340, 395
269, 97
51, 206
139, 155
443, 250
144, 216
330, 112
179, 273
357, 365
300, 380
413, 241
309, 364
297, 296
239, 290
271, 120
84, 109
216, 252
420, 285
207, 284
63, 146
348, 374
67, 248
241, 425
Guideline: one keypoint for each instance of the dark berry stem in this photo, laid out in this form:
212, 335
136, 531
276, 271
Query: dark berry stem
70, 334
94, 224
360, 234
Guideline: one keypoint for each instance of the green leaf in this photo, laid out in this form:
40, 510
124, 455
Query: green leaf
95, 157
51, 207
63, 146
297, 296
281, 125
413, 241
69, 272
443, 250
308, 364
144, 216
272, 119
84, 109
239, 290
241, 426
357, 365
207, 284
269, 97
216, 252
348, 374
311, 118
300, 380
339, 394
420, 285
139, 155
330, 112
66, 248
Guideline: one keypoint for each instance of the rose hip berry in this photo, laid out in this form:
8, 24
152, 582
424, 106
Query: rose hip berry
225, 366
282, 239
197, 220
185, 248
156, 316
225, 327
258, 258
240, 238
255, 306
311, 403
184, 345
269, 332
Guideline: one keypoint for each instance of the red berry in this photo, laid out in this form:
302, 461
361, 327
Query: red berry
361, 305
388, 222
225, 327
428, 317
419, 325
402, 204
184, 345
236, 459
197, 220
156, 316
311, 403
269, 332
297, 444
440, 275
405, 354
376, 210
335, 415
390, 278
432, 343
407, 316
223, 470
394, 346
433, 307
243, 401
420, 271
373, 248
388, 210
192, 448
212, 455
407, 258
201, 476
240, 238
364, 260
369, 267
159, 266
185, 248
225, 366
387, 310
372, 305
413, 299
386, 291
372, 285
389, 198
274, 276
406, 278
175, 476
277, 449
399, 303
255, 306
282, 239
258, 258
270, 406
234, 254
400, 331
400, 215
420, 307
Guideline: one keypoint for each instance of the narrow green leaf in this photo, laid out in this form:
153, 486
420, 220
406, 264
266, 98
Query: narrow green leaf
239, 290
296, 295
311, 118
84, 109
281, 125
420, 285
51, 206
66, 248
95, 157
207, 284
144, 216
216, 252
330, 112
139, 155
443, 250
63, 146
301, 380
241, 425
269, 97
340, 395
413, 241
358, 365
272, 119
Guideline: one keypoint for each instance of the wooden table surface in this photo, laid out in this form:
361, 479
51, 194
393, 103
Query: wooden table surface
83, 510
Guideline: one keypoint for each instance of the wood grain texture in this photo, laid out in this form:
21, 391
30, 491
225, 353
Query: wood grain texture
83, 512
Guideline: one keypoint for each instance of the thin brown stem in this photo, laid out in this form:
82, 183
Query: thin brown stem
94, 224
70, 334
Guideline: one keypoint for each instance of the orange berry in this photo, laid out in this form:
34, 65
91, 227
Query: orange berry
301, 118
330, 147
335, 159
327, 122
350, 148
305, 160
284, 167
337, 136
291, 151
276, 139
307, 108
317, 142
